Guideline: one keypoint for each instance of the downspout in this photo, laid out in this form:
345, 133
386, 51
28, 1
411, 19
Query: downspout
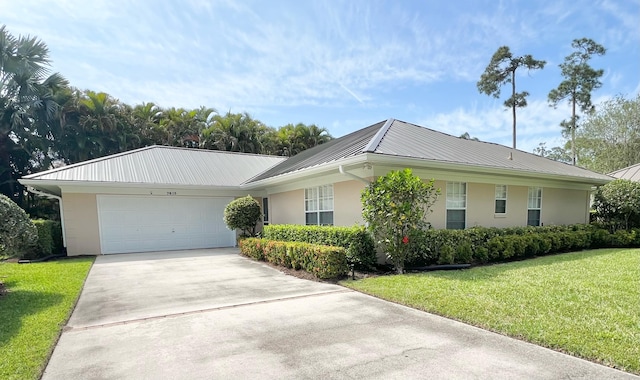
47, 195
341, 169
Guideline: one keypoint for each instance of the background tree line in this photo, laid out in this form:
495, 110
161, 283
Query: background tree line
45, 122
604, 139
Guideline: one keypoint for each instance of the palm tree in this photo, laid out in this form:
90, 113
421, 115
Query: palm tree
223, 134
316, 136
182, 127
146, 118
27, 105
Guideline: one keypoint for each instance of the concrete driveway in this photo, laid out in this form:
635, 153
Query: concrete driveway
212, 314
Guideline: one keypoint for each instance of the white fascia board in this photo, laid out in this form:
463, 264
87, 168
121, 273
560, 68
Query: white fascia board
382, 161
139, 188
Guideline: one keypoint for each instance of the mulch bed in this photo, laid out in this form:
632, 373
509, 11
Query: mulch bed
3, 289
299, 273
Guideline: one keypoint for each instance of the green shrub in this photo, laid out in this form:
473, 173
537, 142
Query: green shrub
446, 255
49, 239
243, 214
45, 238
617, 204
600, 238
321, 260
395, 205
18, 235
56, 234
481, 245
622, 238
357, 242
464, 253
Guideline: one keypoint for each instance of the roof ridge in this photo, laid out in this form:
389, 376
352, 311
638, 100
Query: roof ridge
494, 144
377, 138
133, 151
213, 151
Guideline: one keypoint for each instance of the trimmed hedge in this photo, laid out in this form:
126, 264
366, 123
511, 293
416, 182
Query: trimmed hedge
479, 245
356, 241
49, 239
321, 260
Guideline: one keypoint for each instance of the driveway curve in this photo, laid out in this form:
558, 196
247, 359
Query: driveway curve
213, 314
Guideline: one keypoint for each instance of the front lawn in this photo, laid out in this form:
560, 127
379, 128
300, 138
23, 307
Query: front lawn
39, 300
586, 303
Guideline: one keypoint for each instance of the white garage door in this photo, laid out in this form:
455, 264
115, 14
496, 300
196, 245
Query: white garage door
162, 223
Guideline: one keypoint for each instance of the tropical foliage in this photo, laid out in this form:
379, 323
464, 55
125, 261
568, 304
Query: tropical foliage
27, 108
46, 123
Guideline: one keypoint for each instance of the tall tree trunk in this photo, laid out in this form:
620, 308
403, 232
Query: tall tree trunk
573, 130
513, 106
6, 172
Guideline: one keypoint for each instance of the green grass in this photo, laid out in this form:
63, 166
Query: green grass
39, 301
586, 303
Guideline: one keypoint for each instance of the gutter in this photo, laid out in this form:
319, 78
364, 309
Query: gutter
47, 195
341, 169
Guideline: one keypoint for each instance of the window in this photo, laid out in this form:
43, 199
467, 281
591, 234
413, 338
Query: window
456, 205
265, 211
501, 199
534, 206
318, 205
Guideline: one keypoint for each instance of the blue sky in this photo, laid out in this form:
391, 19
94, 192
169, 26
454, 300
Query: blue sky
342, 65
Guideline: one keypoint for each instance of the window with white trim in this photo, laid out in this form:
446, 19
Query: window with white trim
501, 199
318, 205
456, 205
534, 206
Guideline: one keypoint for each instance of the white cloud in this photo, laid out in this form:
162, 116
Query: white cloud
536, 123
354, 56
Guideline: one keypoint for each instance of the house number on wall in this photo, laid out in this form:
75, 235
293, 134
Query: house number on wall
172, 193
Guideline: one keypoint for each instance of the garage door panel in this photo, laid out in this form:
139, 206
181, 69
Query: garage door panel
152, 223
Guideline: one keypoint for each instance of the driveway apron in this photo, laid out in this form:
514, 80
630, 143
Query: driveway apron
212, 314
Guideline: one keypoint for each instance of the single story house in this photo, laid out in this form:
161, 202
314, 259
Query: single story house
166, 198
632, 173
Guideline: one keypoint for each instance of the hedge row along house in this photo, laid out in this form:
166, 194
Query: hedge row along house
162, 198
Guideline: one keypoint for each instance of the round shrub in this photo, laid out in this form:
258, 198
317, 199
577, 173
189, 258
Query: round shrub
18, 235
243, 214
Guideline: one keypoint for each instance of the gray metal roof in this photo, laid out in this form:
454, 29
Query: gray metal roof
346, 146
631, 173
196, 167
400, 139
167, 166
410, 140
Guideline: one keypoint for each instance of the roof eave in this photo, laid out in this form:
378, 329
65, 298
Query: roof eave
377, 158
64, 183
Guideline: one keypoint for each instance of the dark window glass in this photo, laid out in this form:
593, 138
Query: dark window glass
455, 219
326, 218
311, 218
501, 206
533, 218
265, 210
